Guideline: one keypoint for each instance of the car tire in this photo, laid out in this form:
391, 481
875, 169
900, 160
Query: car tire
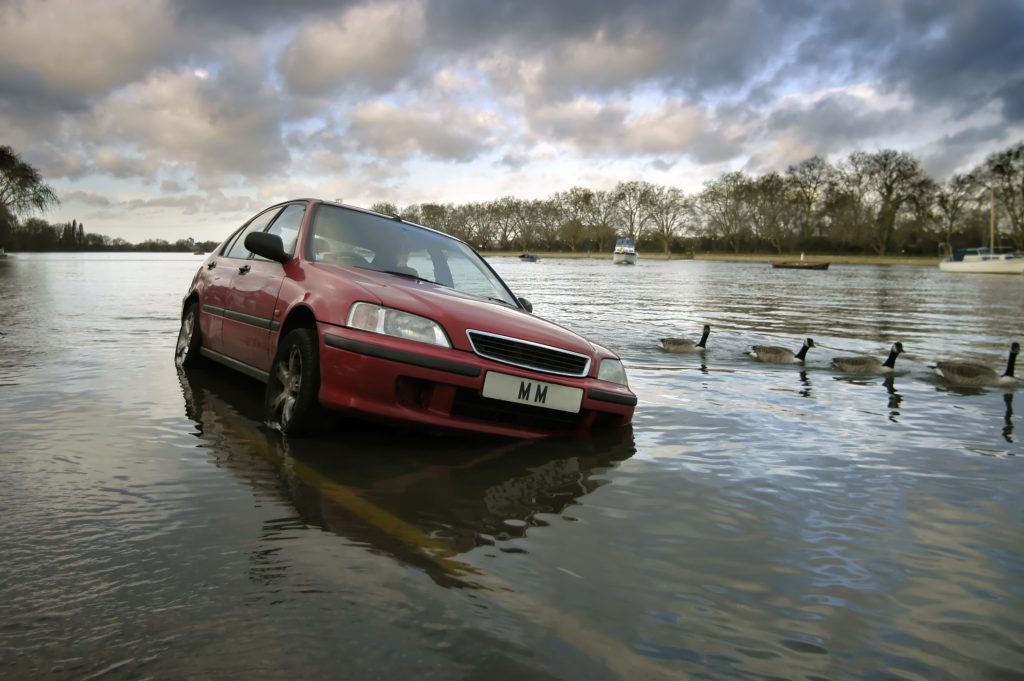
186, 350
292, 402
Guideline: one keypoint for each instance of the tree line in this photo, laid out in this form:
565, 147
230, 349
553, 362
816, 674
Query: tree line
881, 203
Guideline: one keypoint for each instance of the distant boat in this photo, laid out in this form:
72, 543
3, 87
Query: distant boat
625, 252
529, 257
800, 264
982, 259
3, 253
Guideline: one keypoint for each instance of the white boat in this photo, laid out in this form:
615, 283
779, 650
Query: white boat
625, 252
982, 259
3, 253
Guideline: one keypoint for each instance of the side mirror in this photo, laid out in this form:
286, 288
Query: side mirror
527, 305
268, 246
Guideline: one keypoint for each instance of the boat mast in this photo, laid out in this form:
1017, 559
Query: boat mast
992, 221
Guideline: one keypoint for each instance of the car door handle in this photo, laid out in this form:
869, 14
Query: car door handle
243, 269
210, 265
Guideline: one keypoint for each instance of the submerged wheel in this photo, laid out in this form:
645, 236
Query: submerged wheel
186, 351
292, 401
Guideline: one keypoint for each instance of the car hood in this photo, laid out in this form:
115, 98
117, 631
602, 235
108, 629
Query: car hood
458, 312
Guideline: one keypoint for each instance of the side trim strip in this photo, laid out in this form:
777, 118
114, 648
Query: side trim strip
614, 398
248, 319
403, 356
253, 320
250, 371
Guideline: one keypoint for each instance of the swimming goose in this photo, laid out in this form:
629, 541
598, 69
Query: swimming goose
771, 353
967, 373
862, 364
685, 344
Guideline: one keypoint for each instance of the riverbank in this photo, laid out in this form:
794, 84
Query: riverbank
738, 257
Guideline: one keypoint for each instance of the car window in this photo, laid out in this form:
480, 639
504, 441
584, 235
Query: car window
258, 224
287, 225
364, 240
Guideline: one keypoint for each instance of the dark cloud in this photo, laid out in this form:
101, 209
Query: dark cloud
253, 15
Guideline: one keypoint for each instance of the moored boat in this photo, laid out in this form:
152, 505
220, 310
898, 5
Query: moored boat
982, 259
800, 264
625, 252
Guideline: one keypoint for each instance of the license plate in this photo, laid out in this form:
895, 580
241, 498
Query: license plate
534, 393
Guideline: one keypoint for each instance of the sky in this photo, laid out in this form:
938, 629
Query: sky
169, 119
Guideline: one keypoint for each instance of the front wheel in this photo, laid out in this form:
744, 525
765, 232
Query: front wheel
186, 351
292, 403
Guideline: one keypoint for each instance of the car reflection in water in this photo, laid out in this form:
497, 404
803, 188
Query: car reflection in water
422, 500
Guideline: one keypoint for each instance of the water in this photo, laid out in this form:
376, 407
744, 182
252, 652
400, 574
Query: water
756, 521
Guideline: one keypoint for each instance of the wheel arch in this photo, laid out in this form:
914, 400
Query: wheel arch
189, 299
299, 317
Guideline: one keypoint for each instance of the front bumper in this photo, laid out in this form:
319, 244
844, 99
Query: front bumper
398, 380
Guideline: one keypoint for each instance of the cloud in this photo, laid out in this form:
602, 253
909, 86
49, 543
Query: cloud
393, 132
373, 46
63, 52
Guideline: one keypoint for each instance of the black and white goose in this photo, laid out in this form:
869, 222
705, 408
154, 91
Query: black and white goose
862, 364
968, 373
777, 355
685, 344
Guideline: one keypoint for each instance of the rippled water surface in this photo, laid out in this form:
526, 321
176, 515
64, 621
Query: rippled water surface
756, 521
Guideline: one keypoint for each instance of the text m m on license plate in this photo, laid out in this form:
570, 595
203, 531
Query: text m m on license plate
534, 393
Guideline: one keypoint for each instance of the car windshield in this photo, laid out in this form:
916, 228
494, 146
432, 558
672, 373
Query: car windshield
351, 237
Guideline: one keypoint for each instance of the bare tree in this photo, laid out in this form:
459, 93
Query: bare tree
808, 181
633, 207
725, 208
893, 180
669, 209
1004, 173
772, 209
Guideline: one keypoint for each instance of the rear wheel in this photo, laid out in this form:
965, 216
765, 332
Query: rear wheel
292, 402
186, 351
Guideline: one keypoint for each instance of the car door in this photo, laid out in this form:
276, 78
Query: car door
221, 274
251, 315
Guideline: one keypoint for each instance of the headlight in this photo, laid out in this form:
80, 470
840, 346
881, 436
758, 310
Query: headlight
612, 370
390, 322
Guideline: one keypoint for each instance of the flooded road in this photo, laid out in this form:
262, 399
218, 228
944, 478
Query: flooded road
756, 521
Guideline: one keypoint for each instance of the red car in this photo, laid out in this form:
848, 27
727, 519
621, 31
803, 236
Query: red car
339, 309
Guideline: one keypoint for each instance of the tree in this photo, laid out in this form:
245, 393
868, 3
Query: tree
892, 179
725, 207
951, 202
808, 182
22, 189
1004, 172
576, 207
669, 209
633, 207
772, 209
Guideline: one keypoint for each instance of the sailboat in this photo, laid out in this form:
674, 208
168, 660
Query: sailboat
982, 259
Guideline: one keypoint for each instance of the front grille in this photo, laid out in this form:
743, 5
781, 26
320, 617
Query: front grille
528, 355
469, 404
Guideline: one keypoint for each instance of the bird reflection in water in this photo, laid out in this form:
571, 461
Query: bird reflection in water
424, 500
895, 399
806, 383
1008, 416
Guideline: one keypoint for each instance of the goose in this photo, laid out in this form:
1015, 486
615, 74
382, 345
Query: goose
862, 364
967, 373
685, 344
771, 353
